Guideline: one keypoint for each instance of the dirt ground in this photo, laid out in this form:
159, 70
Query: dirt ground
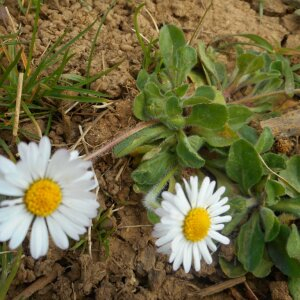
133, 269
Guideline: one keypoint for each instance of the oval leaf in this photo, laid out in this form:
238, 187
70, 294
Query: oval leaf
251, 243
278, 253
211, 116
270, 222
243, 165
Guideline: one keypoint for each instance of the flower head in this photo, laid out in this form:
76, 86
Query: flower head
49, 195
189, 223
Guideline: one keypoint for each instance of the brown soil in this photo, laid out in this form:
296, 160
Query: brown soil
133, 269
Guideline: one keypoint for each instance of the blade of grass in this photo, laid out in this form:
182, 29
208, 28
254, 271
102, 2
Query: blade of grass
11, 66
110, 7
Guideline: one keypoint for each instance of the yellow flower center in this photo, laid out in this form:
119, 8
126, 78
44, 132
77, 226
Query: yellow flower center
43, 197
196, 224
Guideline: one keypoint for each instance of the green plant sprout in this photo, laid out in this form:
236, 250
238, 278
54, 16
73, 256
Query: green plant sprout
196, 115
40, 92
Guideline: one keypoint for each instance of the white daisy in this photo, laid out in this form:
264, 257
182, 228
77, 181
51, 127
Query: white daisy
190, 221
53, 195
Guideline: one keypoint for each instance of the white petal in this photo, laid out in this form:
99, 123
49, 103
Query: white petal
89, 208
182, 204
187, 257
165, 249
71, 229
215, 197
178, 256
168, 237
6, 165
219, 237
179, 239
7, 228
58, 236
74, 154
9, 189
221, 219
80, 195
180, 193
44, 155
171, 209
187, 188
196, 257
210, 244
218, 204
75, 216
9, 212
219, 211
58, 162
11, 202
194, 193
84, 185
202, 191
39, 241
21, 230
217, 226
204, 252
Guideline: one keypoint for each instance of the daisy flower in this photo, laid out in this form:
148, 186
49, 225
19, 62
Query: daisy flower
49, 195
190, 221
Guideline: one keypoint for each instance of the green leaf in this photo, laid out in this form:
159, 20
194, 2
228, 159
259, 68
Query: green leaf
196, 142
264, 267
265, 141
250, 242
274, 190
274, 161
292, 172
259, 41
232, 270
238, 210
171, 39
153, 217
146, 135
289, 84
294, 284
248, 63
291, 206
293, 243
270, 222
211, 116
249, 134
186, 58
150, 171
206, 91
154, 101
207, 62
188, 156
278, 253
238, 115
219, 137
138, 107
243, 165
142, 79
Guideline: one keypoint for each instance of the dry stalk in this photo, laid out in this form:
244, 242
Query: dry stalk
18, 106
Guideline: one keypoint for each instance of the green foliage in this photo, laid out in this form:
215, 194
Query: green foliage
201, 116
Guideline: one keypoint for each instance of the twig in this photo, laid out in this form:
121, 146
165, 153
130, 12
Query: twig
257, 97
219, 287
40, 283
195, 34
152, 19
250, 291
107, 147
18, 105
